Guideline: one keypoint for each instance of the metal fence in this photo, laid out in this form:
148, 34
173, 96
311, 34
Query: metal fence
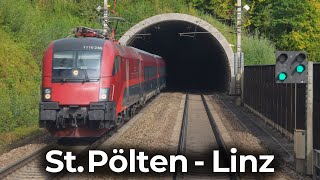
316, 106
275, 101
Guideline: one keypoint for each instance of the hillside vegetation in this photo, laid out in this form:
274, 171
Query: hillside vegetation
290, 24
28, 26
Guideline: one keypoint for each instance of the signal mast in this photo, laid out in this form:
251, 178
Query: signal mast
105, 19
106, 32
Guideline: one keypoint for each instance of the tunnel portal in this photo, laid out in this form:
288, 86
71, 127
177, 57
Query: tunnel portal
197, 55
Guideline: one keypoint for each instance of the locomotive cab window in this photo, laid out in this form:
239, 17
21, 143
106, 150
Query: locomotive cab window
76, 66
63, 60
89, 62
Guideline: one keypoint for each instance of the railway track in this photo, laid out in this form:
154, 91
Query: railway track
199, 135
32, 167
25, 165
197, 115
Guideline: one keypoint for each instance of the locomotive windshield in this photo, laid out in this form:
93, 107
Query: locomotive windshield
76, 66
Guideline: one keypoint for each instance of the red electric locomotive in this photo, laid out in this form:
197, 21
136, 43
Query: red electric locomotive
90, 85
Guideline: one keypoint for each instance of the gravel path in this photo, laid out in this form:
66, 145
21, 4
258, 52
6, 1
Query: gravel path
245, 142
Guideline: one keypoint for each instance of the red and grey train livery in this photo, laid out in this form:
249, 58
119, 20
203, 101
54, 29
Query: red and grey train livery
90, 85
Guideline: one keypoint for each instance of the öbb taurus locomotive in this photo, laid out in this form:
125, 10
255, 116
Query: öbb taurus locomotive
90, 85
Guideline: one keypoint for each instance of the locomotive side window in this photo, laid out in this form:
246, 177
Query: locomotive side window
162, 71
150, 72
116, 66
154, 71
146, 73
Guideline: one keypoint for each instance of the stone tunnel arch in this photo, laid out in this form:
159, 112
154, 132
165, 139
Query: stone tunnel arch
150, 33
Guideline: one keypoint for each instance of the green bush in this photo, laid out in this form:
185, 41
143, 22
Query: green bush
258, 50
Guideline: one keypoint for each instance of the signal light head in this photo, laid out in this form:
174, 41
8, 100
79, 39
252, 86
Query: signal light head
282, 76
300, 68
282, 58
301, 57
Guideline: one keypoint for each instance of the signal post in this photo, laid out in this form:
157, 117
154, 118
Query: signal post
292, 68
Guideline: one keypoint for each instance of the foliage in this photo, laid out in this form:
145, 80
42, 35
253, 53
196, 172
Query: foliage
26, 28
290, 24
37, 22
19, 133
258, 50
19, 85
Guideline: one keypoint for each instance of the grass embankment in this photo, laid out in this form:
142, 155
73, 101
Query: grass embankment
27, 27
19, 91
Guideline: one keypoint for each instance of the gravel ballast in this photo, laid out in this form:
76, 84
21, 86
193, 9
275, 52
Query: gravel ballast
152, 131
247, 143
19, 153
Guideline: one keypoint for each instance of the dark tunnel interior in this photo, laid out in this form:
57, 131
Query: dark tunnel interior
194, 61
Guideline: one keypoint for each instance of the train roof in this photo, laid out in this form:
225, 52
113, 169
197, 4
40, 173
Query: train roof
75, 39
78, 43
144, 52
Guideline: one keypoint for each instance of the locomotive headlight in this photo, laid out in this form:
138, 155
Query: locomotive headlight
47, 91
104, 94
47, 94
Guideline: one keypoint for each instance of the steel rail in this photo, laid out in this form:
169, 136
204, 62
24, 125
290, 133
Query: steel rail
183, 133
24, 161
222, 146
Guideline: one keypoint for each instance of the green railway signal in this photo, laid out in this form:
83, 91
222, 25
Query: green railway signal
291, 67
282, 76
300, 68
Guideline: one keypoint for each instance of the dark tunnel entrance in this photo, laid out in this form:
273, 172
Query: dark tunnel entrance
194, 61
